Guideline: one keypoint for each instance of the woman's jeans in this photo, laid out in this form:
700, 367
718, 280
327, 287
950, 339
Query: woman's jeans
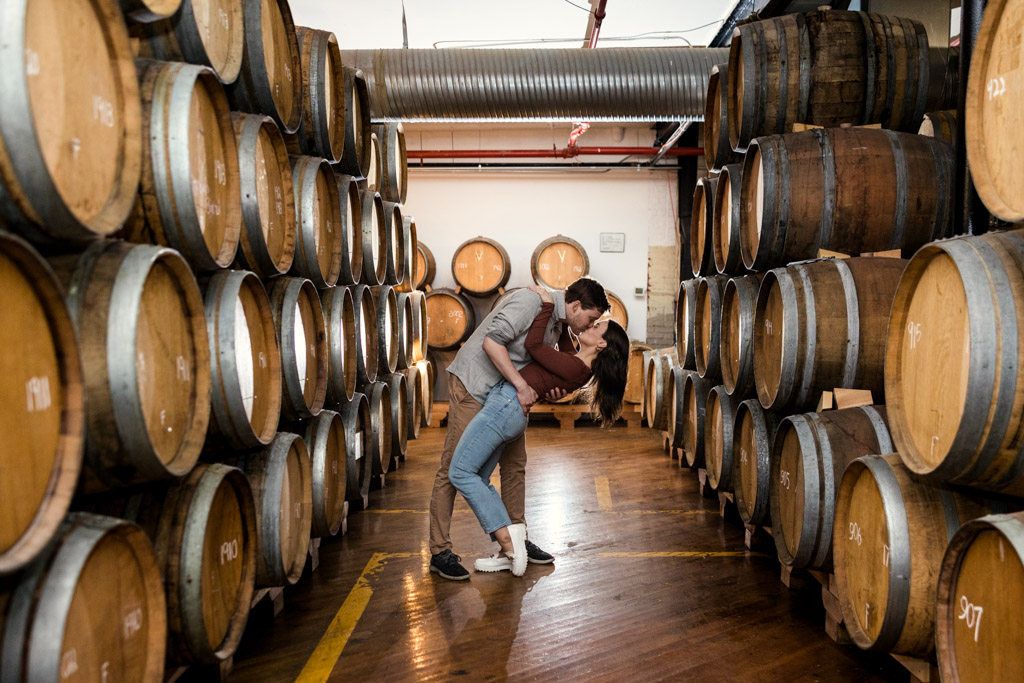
500, 421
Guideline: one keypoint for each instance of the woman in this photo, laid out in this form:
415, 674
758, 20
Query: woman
601, 364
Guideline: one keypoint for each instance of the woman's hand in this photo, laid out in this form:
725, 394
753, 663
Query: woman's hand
545, 295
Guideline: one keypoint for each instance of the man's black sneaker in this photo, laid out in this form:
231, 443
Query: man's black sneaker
446, 563
537, 556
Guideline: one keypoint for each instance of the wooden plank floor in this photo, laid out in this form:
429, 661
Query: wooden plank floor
649, 584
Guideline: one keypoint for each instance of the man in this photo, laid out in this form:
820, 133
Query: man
473, 374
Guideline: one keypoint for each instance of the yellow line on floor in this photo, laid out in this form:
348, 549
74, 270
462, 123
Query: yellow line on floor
687, 553
669, 512
324, 658
461, 511
410, 512
604, 493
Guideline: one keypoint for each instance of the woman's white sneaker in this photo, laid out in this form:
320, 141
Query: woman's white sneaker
519, 556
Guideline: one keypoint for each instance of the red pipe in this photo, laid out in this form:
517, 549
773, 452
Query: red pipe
565, 153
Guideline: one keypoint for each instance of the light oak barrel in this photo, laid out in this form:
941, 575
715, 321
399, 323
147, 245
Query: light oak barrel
676, 419
659, 368
405, 330
245, 360
398, 388
322, 126
71, 124
270, 80
890, 534
141, 329
268, 238
411, 253
374, 171
387, 328
451, 319
702, 219
352, 228
378, 448
366, 340
206, 32
356, 159
414, 406
419, 325
953, 362
940, 124
374, 239
694, 407
718, 150
980, 590
720, 438
281, 479
146, 11
736, 352
707, 326
617, 312
325, 439
42, 391
822, 325
686, 304
427, 370
827, 68
559, 261
394, 233
394, 161
481, 267
753, 436
636, 372
319, 233
90, 608
809, 455
851, 190
340, 323
355, 415
727, 221
299, 320
425, 267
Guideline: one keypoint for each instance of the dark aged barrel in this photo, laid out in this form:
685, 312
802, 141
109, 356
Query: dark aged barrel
378, 449
270, 80
411, 253
245, 360
355, 415
374, 172
352, 229
686, 304
981, 585
717, 148
318, 225
374, 239
481, 266
281, 479
366, 340
736, 352
707, 326
826, 68
940, 124
419, 326
394, 179
209, 32
676, 419
71, 124
890, 534
394, 234
356, 159
851, 190
753, 436
299, 320
90, 608
728, 216
451, 319
387, 328
322, 126
325, 439
405, 331
695, 399
822, 325
340, 324
43, 418
953, 359
267, 244
808, 458
559, 261
659, 370
719, 438
398, 388
141, 328
702, 254
414, 407
425, 267
146, 11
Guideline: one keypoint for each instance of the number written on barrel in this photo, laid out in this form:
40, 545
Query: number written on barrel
855, 533
228, 551
784, 479
913, 334
970, 614
996, 87
132, 622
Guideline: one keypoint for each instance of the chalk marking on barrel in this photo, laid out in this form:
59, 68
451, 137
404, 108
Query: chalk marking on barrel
604, 493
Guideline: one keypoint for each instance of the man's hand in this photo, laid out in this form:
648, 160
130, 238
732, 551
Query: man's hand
556, 394
527, 397
545, 295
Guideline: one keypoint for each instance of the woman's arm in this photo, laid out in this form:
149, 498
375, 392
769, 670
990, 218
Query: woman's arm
565, 365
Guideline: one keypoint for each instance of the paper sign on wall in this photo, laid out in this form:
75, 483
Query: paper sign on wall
613, 241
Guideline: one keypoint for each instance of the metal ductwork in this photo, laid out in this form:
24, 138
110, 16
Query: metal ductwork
607, 84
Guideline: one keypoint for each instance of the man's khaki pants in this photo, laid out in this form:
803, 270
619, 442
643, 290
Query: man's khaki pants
462, 407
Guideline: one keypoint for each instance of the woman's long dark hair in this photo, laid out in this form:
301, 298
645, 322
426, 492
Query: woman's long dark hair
610, 368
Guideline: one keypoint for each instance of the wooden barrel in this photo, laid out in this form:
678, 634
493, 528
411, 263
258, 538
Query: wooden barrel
189, 194
676, 420
753, 436
405, 330
299, 319
826, 68
694, 407
636, 372
702, 219
378, 448
141, 328
281, 479
728, 213
90, 608
808, 458
617, 312
270, 81
245, 360
267, 243
414, 404
374, 239
686, 304
325, 439
717, 148
71, 123
719, 439
822, 325
451, 319
426, 368
211, 33
940, 124
352, 228
558, 261
318, 224
146, 11
410, 253
374, 172
977, 617
340, 325
890, 534
355, 416
425, 268
707, 326
43, 419
356, 159
659, 370
366, 341
398, 388
953, 362
646, 360
387, 328
736, 352
481, 267
322, 126
394, 179
394, 237
419, 325
851, 190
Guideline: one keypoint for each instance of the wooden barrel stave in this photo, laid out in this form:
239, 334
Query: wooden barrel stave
707, 327
414, 405
676, 419
686, 304
394, 237
726, 226
340, 325
718, 150
387, 328
481, 267
736, 352
322, 126
319, 235
398, 388
695, 398
451, 319
356, 159
192, 37
719, 439
299, 319
425, 267
405, 330
419, 326
702, 219
366, 341
410, 253
355, 415
374, 172
427, 370
753, 436
617, 312
378, 449
635, 373
352, 229
374, 239
394, 167
325, 439
559, 261
659, 371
